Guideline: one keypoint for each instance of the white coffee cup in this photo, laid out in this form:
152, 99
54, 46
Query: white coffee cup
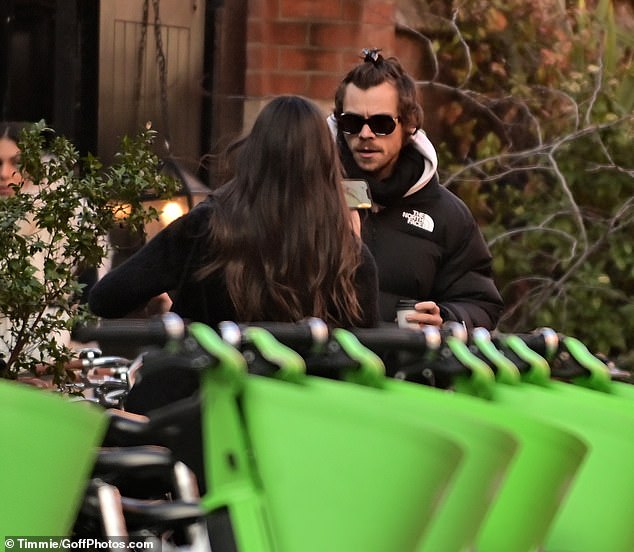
405, 307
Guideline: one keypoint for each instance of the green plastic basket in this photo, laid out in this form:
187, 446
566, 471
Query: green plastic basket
311, 464
340, 471
489, 449
549, 458
536, 480
598, 512
598, 410
48, 448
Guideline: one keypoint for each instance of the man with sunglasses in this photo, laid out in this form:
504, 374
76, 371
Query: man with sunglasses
426, 243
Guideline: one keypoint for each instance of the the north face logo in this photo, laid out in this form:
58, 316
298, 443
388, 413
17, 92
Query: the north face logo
420, 220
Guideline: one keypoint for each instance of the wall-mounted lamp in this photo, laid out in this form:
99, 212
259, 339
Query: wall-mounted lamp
191, 192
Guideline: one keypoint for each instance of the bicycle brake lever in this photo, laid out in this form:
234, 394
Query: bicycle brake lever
480, 380
587, 370
504, 369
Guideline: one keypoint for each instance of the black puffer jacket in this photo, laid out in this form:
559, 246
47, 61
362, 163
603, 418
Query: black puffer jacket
428, 246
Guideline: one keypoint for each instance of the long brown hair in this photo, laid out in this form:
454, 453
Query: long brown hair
281, 232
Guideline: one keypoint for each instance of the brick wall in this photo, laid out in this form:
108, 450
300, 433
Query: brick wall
306, 46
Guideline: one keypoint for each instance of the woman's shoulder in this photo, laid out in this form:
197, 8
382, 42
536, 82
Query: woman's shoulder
368, 263
196, 220
366, 255
205, 208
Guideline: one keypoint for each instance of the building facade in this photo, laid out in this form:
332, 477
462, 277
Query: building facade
199, 70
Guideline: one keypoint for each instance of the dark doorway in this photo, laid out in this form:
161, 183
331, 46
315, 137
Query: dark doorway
48, 64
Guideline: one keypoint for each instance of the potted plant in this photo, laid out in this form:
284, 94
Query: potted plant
53, 228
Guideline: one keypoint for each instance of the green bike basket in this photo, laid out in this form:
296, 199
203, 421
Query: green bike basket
330, 469
340, 472
538, 480
488, 448
489, 451
532, 489
48, 449
597, 513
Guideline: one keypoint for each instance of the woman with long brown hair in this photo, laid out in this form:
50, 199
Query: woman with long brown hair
275, 242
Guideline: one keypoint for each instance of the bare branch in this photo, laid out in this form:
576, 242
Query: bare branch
465, 47
567, 97
427, 42
598, 83
527, 229
611, 167
546, 149
472, 98
568, 193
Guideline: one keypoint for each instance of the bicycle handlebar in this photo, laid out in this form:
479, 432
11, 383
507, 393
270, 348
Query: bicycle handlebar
312, 334
309, 335
389, 338
133, 331
544, 341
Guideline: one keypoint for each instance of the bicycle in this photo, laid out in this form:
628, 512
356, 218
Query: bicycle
450, 359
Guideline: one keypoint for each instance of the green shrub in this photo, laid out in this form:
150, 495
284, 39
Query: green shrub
537, 129
55, 226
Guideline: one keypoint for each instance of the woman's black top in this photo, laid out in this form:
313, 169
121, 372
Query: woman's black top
167, 263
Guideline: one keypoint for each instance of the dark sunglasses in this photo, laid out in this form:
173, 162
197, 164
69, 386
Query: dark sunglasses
381, 125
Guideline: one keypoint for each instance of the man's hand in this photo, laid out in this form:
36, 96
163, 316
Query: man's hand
160, 304
427, 312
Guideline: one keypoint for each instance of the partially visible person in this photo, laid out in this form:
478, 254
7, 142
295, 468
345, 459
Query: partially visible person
12, 179
9, 157
425, 241
275, 242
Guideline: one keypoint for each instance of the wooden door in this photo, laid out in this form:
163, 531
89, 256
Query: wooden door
133, 87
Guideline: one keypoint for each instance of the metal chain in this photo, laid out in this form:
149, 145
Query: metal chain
139, 62
162, 65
